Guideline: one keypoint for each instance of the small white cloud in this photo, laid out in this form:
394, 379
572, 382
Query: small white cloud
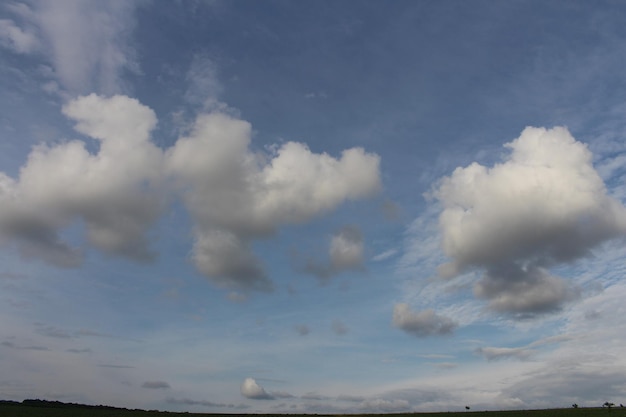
422, 323
250, 389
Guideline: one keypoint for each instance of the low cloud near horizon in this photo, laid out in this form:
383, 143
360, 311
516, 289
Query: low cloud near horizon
250, 389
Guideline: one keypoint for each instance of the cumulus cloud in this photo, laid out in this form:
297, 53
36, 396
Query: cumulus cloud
235, 195
543, 206
345, 253
118, 191
250, 389
109, 190
156, 385
422, 323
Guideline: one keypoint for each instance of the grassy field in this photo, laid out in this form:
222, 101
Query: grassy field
29, 411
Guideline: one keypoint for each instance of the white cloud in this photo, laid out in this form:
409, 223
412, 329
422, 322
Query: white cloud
12, 37
545, 205
422, 323
250, 389
109, 191
236, 196
233, 194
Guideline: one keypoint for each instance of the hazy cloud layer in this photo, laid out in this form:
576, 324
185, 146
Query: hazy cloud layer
22, 41
250, 389
85, 42
155, 385
233, 194
205, 403
544, 205
422, 323
496, 353
302, 329
339, 327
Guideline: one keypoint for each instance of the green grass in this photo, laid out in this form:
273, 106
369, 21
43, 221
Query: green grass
11, 410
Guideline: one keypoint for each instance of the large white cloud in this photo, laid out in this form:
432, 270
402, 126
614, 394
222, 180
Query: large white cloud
236, 195
233, 194
543, 206
109, 191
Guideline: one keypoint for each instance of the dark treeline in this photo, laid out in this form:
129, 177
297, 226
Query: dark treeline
59, 404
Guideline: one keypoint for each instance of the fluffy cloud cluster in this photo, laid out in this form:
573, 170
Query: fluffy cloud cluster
422, 323
543, 206
233, 194
250, 389
110, 192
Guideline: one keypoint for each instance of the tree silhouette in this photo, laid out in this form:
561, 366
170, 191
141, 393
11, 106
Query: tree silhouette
575, 405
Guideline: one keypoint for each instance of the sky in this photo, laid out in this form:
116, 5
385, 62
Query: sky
313, 206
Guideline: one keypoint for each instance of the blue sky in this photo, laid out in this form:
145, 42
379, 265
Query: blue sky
321, 207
